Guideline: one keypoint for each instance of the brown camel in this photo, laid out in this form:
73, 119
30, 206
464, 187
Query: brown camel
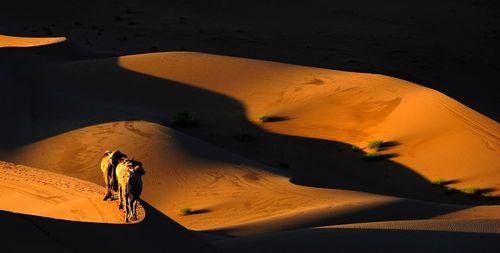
108, 166
129, 173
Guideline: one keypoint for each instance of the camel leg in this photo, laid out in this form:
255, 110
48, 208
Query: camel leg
127, 205
120, 198
109, 194
106, 196
131, 206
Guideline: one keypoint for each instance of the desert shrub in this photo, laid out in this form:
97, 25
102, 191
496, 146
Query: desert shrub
186, 210
355, 148
439, 182
373, 156
471, 190
375, 144
185, 119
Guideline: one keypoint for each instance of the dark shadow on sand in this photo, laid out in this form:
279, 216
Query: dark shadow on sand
271, 119
199, 211
365, 240
157, 233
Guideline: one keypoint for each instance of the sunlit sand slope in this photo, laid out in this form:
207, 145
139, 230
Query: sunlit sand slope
430, 133
13, 41
39, 192
228, 194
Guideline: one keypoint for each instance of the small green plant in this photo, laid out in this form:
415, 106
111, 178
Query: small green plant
375, 144
264, 118
355, 148
185, 119
473, 191
373, 156
439, 182
186, 211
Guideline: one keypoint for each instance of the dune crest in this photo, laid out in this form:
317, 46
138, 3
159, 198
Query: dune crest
437, 136
14, 41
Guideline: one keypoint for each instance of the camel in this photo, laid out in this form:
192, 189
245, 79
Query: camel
129, 173
108, 166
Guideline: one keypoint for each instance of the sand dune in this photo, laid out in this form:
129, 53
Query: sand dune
39, 192
229, 194
343, 108
13, 41
300, 172
348, 107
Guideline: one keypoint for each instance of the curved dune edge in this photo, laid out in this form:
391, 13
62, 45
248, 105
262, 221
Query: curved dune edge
13, 41
229, 194
429, 128
158, 233
38, 192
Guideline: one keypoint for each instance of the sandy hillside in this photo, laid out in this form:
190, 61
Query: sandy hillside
41, 210
39, 192
317, 109
13, 41
295, 173
451, 47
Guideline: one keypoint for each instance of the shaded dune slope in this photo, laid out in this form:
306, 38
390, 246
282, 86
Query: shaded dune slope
410, 236
48, 234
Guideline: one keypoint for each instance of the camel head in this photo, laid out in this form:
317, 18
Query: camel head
139, 170
135, 167
116, 156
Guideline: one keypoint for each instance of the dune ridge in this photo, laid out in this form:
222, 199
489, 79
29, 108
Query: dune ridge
15, 41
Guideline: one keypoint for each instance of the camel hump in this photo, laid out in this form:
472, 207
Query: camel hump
118, 154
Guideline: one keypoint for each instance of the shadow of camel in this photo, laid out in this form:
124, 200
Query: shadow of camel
29, 233
72, 98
